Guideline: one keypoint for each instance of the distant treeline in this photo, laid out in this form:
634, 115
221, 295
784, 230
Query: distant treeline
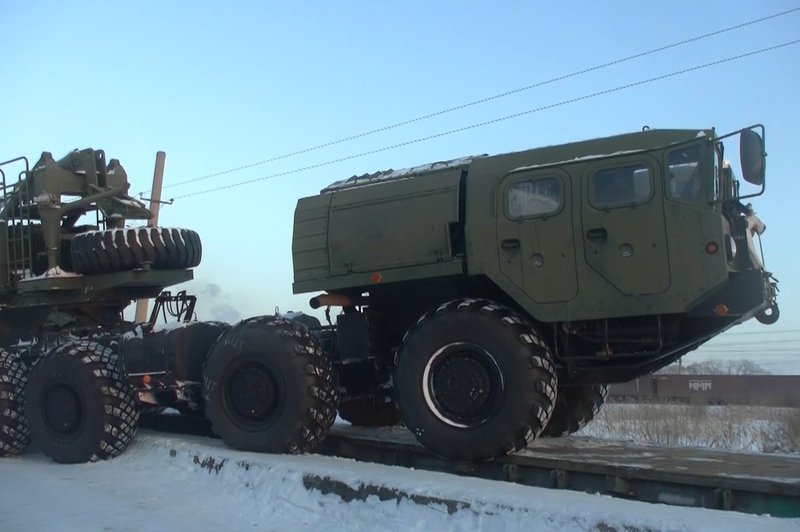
715, 367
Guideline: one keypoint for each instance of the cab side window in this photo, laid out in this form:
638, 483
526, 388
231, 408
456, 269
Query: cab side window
539, 197
685, 173
621, 186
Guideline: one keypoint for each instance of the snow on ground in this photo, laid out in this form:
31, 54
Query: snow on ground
194, 483
731, 428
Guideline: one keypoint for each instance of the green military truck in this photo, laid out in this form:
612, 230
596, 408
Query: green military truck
490, 299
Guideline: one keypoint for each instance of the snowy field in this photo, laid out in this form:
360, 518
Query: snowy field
192, 483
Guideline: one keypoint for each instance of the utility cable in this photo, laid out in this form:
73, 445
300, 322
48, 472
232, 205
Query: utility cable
754, 343
489, 98
496, 120
770, 332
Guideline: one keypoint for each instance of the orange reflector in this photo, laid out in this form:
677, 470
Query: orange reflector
377, 277
147, 379
712, 248
721, 310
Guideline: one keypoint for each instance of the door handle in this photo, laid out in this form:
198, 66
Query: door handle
509, 243
597, 234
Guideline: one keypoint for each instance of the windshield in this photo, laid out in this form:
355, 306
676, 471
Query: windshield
685, 173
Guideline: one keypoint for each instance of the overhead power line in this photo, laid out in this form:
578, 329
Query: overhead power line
751, 351
489, 98
755, 343
496, 120
770, 332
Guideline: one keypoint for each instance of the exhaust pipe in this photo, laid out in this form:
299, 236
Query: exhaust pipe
335, 300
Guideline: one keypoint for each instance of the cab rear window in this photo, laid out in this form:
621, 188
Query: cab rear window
540, 197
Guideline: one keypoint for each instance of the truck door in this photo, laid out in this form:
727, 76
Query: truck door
623, 224
535, 234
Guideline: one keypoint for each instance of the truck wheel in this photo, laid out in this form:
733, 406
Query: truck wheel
268, 387
125, 249
575, 407
367, 412
14, 433
79, 406
474, 381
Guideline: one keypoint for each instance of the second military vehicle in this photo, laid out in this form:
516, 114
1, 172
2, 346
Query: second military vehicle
75, 375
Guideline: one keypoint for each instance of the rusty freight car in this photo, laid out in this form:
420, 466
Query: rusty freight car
763, 390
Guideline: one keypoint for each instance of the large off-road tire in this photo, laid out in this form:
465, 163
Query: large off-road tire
268, 387
125, 249
79, 406
575, 407
14, 432
368, 412
474, 381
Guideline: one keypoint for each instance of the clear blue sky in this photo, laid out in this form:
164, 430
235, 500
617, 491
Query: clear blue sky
219, 85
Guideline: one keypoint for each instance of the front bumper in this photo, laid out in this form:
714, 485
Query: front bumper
745, 295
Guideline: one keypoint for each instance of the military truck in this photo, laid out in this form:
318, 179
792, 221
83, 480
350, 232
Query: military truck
75, 375
483, 301
490, 299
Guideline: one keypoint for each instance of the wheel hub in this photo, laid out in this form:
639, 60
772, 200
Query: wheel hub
252, 392
63, 410
463, 385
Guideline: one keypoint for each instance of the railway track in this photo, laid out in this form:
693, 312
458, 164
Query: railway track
750, 483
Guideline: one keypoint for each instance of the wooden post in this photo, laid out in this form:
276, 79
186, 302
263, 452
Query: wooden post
155, 205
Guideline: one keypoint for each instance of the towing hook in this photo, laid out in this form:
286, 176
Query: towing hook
769, 315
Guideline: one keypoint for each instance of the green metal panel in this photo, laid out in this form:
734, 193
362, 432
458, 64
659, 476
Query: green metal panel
392, 231
406, 225
123, 286
310, 240
385, 276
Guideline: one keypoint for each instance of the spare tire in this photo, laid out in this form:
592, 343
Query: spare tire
115, 250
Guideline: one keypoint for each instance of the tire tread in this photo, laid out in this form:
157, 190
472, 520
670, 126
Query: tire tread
321, 398
541, 371
14, 431
120, 413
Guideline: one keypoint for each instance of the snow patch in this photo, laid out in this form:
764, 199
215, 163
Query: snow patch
194, 483
577, 159
54, 272
387, 175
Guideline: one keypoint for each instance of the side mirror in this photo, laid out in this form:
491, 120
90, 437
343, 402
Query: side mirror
752, 157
